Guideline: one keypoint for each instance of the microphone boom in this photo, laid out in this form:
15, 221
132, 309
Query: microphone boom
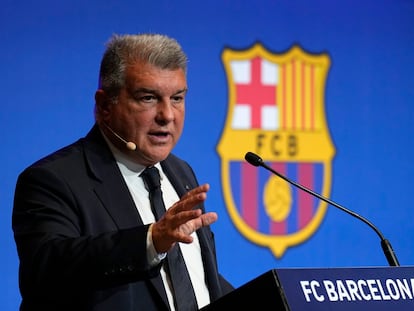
256, 160
128, 144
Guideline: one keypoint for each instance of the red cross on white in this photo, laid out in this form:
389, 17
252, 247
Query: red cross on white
256, 83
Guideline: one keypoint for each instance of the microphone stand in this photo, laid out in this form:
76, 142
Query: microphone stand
255, 160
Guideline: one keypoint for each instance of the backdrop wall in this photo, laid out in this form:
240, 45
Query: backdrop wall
50, 59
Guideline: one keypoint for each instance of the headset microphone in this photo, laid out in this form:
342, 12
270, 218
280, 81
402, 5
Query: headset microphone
129, 144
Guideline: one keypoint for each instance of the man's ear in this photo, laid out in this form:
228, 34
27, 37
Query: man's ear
102, 104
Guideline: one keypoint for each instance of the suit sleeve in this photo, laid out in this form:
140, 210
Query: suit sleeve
56, 251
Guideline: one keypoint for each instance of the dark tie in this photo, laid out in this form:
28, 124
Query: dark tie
184, 297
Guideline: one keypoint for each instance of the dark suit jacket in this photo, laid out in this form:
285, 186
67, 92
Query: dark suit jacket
80, 239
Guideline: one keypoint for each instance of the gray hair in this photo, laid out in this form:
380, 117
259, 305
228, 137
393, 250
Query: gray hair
123, 50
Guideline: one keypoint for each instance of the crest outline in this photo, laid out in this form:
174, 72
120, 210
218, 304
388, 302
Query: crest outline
309, 138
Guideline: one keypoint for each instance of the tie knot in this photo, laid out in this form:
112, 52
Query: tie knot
151, 177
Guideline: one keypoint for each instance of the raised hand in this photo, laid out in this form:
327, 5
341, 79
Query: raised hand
181, 220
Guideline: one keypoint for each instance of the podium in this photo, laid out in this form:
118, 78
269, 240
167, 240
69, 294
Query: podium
367, 288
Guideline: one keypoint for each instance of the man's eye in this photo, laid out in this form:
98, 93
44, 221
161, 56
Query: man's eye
177, 99
148, 99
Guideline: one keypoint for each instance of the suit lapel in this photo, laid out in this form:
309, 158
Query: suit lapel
178, 179
112, 191
110, 186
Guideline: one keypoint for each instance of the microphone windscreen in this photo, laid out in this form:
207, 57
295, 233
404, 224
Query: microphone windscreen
253, 159
131, 146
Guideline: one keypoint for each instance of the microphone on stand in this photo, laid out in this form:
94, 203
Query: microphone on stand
255, 160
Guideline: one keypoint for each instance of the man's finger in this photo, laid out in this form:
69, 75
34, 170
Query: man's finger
188, 203
208, 218
199, 189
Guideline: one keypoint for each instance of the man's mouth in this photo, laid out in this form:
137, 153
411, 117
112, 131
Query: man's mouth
160, 136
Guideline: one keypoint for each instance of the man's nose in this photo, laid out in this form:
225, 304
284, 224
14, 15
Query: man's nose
165, 111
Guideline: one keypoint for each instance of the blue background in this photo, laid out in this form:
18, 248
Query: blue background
50, 53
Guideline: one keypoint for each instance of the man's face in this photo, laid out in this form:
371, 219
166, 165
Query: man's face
149, 112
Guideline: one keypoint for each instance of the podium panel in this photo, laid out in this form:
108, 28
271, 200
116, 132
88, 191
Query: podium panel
357, 289
262, 293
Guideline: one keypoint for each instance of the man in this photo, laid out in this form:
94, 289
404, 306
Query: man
86, 235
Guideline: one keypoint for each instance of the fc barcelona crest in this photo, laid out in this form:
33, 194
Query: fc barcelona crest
276, 109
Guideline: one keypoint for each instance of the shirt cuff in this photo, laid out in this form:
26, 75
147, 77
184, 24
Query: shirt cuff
153, 257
